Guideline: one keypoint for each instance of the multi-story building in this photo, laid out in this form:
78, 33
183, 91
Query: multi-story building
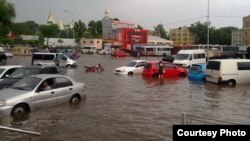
181, 36
242, 36
236, 38
246, 30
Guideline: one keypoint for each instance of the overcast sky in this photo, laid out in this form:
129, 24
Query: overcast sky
147, 13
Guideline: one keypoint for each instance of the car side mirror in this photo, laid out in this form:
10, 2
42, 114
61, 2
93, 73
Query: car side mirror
175, 67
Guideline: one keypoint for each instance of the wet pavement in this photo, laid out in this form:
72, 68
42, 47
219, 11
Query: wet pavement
122, 108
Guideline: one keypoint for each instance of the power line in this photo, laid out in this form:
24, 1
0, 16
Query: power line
192, 19
226, 16
181, 21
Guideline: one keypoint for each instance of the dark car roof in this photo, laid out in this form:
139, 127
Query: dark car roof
9, 82
36, 66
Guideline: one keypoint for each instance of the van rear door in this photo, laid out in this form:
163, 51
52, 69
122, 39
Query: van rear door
243, 72
213, 71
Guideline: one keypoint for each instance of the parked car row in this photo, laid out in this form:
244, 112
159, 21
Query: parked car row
150, 69
26, 88
229, 71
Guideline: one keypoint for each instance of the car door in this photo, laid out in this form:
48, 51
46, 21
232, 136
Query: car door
63, 60
45, 98
139, 67
170, 70
64, 89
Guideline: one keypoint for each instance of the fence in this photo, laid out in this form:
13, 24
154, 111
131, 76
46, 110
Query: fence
20, 131
188, 119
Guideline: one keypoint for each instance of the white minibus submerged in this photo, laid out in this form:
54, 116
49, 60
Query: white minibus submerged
186, 58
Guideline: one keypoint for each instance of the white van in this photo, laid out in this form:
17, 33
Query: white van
230, 71
59, 59
89, 50
186, 58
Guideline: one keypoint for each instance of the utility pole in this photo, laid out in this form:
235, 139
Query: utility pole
208, 23
66, 11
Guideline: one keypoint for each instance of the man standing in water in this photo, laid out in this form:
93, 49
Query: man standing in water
160, 71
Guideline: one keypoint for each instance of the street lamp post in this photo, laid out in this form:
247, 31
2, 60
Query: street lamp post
66, 11
208, 30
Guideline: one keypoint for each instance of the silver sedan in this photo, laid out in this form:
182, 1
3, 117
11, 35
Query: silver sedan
40, 91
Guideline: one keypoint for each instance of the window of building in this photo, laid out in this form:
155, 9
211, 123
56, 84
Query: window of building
84, 42
98, 42
91, 42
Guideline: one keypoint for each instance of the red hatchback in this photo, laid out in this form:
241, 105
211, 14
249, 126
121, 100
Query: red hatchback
170, 70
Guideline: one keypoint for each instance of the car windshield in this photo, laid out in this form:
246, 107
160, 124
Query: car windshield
195, 68
1, 71
182, 56
27, 83
22, 72
131, 64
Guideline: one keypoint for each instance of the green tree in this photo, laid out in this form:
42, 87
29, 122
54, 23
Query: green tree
99, 29
79, 28
220, 36
87, 34
160, 29
95, 28
139, 27
25, 28
199, 31
116, 19
223, 35
60, 41
7, 12
4, 30
49, 31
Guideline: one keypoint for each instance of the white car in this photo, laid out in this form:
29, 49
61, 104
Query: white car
105, 52
6, 71
8, 54
133, 67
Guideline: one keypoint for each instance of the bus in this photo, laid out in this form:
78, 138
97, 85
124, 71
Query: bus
153, 50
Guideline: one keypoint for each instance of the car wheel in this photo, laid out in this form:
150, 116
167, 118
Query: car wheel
182, 75
19, 110
231, 83
75, 99
130, 73
68, 66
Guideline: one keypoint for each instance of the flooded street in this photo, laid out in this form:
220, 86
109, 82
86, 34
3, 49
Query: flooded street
124, 108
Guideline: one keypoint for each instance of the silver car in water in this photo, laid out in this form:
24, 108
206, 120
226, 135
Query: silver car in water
28, 94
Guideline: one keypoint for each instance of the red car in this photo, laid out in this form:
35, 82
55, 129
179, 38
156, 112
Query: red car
170, 70
118, 53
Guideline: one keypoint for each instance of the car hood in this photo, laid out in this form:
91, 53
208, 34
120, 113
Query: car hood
125, 68
10, 93
8, 82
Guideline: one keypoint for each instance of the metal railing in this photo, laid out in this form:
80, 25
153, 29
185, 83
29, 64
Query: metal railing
31, 133
188, 119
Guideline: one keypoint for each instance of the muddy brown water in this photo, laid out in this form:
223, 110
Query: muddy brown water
122, 108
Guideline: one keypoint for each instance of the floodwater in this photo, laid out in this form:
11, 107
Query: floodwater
124, 108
